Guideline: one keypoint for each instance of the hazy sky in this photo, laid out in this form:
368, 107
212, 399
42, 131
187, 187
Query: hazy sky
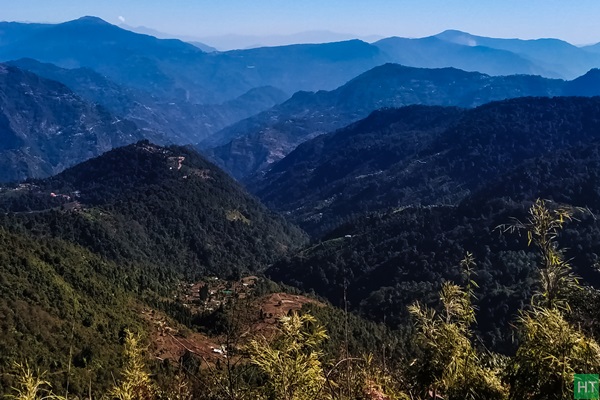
575, 21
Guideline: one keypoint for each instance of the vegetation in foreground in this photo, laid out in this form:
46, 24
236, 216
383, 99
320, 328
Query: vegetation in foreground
288, 362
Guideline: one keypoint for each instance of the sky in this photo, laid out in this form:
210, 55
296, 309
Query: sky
574, 21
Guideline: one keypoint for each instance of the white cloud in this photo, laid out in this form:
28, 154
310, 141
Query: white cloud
121, 18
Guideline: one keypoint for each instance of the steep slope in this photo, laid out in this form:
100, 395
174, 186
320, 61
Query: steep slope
64, 309
178, 122
45, 127
385, 261
383, 161
165, 207
304, 66
124, 56
253, 144
585, 85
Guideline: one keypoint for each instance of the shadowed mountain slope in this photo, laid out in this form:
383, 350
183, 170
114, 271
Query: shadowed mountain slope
255, 143
45, 127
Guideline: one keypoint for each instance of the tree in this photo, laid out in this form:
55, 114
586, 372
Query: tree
450, 366
135, 381
32, 386
556, 278
291, 359
551, 350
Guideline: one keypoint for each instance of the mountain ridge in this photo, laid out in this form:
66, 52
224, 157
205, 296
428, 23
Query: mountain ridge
45, 127
163, 121
164, 206
378, 163
252, 145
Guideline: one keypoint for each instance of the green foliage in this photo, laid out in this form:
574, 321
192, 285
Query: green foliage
551, 350
31, 386
450, 365
73, 276
393, 259
135, 380
299, 360
550, 353
433, 155
353, 336
138, 204
556, 278
291, 360
61, 305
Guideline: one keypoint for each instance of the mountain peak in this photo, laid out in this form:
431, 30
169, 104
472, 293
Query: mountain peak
457, 37
90, 19
452, 32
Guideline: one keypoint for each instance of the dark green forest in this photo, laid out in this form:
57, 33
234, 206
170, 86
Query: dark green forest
421, 155
166, 208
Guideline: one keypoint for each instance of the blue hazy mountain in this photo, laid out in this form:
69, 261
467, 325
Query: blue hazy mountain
173, 69
238, 41
180, 122
586, 85
554, 55
172, 86
432, 52
45, 127
593, 48
162, 35
11, 32
253, 144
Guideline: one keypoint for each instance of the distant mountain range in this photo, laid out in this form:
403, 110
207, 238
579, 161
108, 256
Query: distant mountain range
172, 69
162, 35
162, 82
557, 56
240, 42
176, 93
179, 122
252, 145
45, 127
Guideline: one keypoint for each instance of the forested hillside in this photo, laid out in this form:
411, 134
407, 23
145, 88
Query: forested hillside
85, 251
165, 207
414, 233
383, 161
255, 143
62, 306
386, 262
